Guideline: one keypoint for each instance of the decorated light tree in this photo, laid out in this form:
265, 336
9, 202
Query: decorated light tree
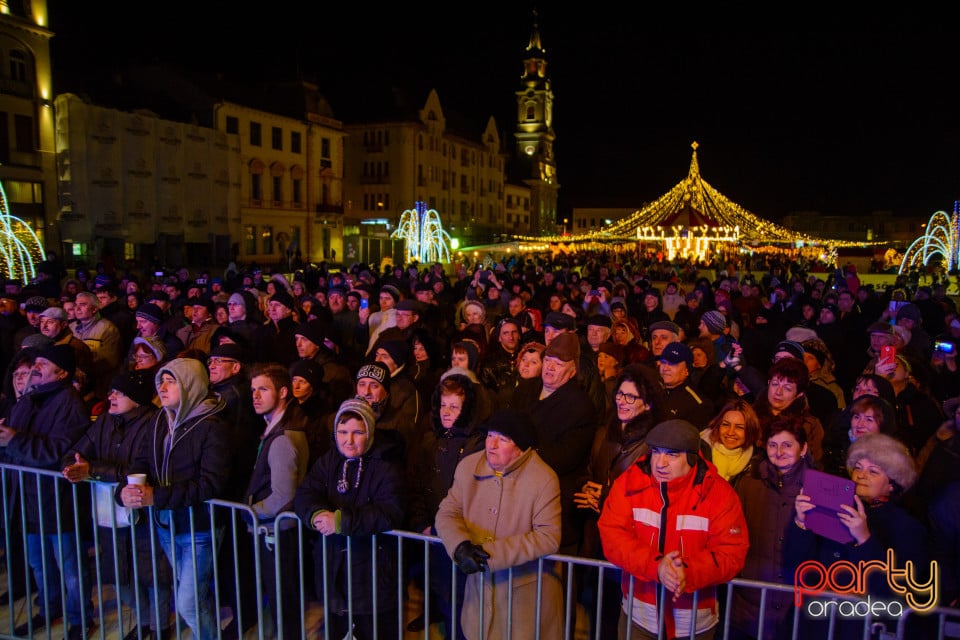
426, 241
20, 248
940, 238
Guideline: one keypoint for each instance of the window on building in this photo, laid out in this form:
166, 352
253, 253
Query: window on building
386, 201
255, 134
295, 195
233, 124
276, 138
267, 236
386, 138
23, 131
531, 112
250, 240
18, 65
295, 142
386, 169
420, 142
256, 188
366, 202
325, 148
277, 189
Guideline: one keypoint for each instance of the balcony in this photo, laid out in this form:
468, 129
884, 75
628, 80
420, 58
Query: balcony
330, 208
19, 88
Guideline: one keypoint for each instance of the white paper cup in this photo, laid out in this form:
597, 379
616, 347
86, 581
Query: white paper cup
137, 478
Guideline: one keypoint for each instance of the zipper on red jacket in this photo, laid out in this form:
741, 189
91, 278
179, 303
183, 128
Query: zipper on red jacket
662, 537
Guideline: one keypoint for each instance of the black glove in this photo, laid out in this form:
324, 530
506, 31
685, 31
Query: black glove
470, 557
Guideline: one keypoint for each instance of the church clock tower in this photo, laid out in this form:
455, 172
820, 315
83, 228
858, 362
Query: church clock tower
535, 137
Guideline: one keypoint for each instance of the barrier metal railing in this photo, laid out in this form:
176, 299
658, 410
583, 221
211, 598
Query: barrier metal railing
262, 583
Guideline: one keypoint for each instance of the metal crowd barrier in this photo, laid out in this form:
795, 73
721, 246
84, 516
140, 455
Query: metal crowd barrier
128, 588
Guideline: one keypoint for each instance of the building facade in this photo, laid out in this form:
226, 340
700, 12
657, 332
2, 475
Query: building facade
392, 164
290, 184
139, 188
883, 226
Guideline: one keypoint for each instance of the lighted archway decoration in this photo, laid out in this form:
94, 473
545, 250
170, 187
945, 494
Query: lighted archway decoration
20, 248
941, 238
426, 241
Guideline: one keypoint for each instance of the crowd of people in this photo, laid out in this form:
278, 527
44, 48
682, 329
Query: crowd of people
515, 409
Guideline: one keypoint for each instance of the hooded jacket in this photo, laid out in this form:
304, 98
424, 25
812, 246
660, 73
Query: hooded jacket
697, 514
435, 459
187, 454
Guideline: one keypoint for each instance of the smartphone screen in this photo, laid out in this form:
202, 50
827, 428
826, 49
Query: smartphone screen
364, 303
888, 354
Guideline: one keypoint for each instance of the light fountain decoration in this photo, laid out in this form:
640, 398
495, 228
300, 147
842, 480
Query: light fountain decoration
20, 248
941, 238
423, 233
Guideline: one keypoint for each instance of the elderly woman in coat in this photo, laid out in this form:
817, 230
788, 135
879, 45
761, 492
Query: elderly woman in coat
356, 490
502, 514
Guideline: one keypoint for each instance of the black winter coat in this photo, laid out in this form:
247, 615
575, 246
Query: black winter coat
198, 469
48, 421
372, 504
112, 443
435, 458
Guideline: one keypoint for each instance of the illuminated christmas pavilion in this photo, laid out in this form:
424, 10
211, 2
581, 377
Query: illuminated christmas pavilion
692, 218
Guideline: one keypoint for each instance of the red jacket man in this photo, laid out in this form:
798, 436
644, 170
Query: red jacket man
671, 519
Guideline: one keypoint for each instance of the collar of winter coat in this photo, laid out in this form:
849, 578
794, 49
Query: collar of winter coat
43, 391
771, 475
693, 480
484, 471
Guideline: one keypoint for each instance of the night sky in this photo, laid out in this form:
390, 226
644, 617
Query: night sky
792, 112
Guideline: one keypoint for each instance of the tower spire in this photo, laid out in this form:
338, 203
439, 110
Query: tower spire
535, 136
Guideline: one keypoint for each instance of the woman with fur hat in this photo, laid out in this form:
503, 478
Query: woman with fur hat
355, 490
883, 470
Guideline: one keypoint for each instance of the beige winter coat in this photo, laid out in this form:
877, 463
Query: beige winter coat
516, 518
